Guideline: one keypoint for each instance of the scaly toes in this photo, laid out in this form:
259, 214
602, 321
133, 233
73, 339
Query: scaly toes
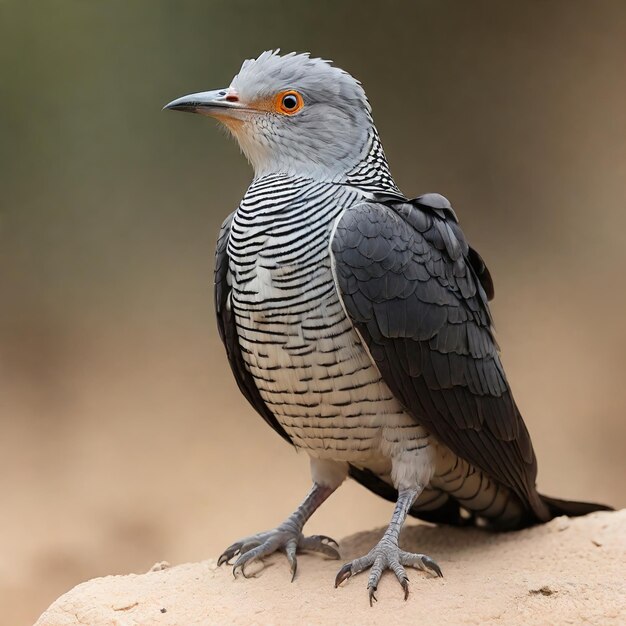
319, 543
381, 563
284, 538
354, 567
387, 556
248, 545
375, 573
241, 546
251, 555
400, 572
420, 561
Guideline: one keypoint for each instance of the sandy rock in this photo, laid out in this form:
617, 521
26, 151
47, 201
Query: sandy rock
565, 572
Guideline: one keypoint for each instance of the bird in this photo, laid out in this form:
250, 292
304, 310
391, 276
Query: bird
356, 323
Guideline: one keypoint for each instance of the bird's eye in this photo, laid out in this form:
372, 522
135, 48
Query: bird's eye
289, 102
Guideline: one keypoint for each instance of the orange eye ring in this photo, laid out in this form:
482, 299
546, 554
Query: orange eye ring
288, 102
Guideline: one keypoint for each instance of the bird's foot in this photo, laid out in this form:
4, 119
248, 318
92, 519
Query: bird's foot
286, 538
386, 554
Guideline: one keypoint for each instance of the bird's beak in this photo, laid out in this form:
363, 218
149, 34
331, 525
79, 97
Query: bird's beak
221, 103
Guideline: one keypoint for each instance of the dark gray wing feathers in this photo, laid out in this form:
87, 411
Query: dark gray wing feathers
412, 286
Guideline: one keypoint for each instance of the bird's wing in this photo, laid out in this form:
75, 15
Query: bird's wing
418, 296
228, 332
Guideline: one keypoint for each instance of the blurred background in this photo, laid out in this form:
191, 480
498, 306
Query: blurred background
123, 438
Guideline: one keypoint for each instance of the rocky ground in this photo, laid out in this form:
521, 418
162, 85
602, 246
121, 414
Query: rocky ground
570, 571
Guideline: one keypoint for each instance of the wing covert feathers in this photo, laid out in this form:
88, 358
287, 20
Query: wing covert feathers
409, 281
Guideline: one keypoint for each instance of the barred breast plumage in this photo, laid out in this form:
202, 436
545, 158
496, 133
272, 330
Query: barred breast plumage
306, 357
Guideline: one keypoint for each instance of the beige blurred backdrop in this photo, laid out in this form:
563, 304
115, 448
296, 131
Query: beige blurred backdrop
123, 438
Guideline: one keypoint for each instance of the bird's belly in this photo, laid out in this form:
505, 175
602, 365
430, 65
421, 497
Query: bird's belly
315, 375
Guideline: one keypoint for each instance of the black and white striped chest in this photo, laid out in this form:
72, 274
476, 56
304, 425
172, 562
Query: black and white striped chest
303, 352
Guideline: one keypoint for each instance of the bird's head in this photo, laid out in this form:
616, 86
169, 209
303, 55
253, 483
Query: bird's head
291, 114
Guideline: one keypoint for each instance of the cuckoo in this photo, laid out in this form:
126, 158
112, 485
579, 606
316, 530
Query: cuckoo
356, 323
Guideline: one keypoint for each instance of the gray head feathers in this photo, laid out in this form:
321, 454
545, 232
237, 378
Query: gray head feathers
329, 136
316, 78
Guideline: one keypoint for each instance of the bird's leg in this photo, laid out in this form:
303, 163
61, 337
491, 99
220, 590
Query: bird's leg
287, 537
386, 554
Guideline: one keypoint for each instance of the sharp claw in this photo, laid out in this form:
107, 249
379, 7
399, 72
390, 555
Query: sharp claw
335, 554
290, 551
229, 553
343, 574
241, 567
315, 544
241, 563
372, 595
328, 539
430, 564
405, 586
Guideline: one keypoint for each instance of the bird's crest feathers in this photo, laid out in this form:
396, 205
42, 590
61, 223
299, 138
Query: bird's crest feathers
317, 78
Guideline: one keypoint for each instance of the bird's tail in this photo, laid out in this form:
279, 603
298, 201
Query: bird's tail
571, 507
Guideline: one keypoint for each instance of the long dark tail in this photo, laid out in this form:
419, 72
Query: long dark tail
450, 511
571, 507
